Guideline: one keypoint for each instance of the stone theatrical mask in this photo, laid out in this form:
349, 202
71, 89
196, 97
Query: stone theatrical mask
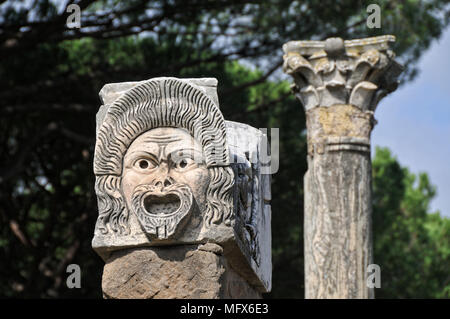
164, 179
164, 174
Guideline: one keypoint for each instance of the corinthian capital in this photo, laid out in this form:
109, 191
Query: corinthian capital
337, 72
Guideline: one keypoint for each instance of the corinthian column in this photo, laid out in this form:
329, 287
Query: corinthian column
339, 84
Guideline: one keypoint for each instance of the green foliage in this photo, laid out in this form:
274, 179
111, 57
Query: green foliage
411, 245
50, 77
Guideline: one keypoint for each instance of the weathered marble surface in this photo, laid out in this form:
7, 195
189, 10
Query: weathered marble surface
171, 171
184, 271
251, 198
339, 83
358, 72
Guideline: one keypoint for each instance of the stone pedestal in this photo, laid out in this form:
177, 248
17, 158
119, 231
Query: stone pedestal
339, 84
184, 205
185, 271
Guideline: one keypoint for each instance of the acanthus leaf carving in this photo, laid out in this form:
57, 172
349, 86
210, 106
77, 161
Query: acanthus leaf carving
336, 69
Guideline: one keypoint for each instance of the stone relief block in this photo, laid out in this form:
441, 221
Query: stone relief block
170, 170
251, 196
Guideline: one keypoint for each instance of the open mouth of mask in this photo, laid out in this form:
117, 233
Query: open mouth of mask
162, 211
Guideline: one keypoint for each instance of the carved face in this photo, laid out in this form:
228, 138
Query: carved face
163, 177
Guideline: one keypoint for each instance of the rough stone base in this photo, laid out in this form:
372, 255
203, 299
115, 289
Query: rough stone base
176, 272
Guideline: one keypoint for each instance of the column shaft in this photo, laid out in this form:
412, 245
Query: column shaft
339, 84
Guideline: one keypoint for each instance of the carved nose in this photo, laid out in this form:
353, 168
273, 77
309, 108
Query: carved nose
166, 182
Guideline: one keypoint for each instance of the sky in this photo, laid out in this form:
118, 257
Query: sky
414, 122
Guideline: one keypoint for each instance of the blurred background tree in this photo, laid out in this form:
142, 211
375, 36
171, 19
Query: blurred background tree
411, 244
50, 76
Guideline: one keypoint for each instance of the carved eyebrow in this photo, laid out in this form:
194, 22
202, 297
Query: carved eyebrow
141, 153
186, 151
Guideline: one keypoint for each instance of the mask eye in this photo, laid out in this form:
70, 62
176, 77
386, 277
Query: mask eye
144, 164
184, 164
